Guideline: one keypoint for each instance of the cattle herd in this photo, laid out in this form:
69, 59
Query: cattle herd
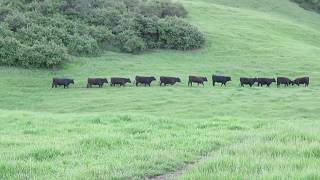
166, 80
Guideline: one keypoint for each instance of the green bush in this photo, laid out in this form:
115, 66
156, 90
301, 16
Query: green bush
163, 8
82, 45
4, 12
9, 47
16, 21
309, 4
134, 45
85, 27
148, 28
177, 34
101, 34
41, 55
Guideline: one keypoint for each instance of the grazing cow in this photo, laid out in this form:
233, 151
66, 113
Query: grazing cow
97, 82
302, 80
283, 80
248, 81
61, 82
119, 81
169, 80
144, 80
197, 79
265, 81
220, 79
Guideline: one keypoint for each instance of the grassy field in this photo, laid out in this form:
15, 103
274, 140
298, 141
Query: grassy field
134, 133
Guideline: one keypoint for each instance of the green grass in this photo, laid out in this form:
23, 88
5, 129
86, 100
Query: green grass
132, 133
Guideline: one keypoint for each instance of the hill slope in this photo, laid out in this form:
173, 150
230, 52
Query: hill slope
141, 132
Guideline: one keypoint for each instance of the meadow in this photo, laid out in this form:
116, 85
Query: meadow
143, 132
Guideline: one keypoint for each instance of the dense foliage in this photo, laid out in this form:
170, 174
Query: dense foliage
43, 33
309, 4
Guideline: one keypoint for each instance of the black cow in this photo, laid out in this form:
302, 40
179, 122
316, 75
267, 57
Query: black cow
220, 79
197, 79
265, 81
96, 81
248, 81
283, 80
302, 80
144, 80
61, 82
119, 81
169, 80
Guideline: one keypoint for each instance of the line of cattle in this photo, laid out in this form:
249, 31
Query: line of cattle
165, 80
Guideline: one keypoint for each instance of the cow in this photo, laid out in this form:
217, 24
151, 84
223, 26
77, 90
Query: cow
265, 81
144, 80
283, 80
97, 82
302, 80
220, 79
247, 81
61, 82
197, 79
169, 80
119, 81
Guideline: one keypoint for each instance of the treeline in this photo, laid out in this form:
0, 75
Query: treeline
313, 5
43, 33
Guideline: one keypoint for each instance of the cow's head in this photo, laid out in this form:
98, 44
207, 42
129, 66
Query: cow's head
178, 79
204, 79
71, 81
228, 78
291, 82
273, 80
128, 80
152, 78
105, 80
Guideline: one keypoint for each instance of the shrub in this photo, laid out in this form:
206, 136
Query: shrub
9, 47
309, 4
101, 34
105, 17
134, 45
4, 12
177, 34
84, 27
41, 54
148, 27
82, 45
16, 21
163, 8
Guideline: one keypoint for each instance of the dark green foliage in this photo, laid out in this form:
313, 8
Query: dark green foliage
309, 4
43, 33
4, 12
9, 47
134, 44
83, 45
16, 21
177, 34
41, 55
162, 8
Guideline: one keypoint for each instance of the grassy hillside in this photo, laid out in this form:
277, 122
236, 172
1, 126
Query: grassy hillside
229, 133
